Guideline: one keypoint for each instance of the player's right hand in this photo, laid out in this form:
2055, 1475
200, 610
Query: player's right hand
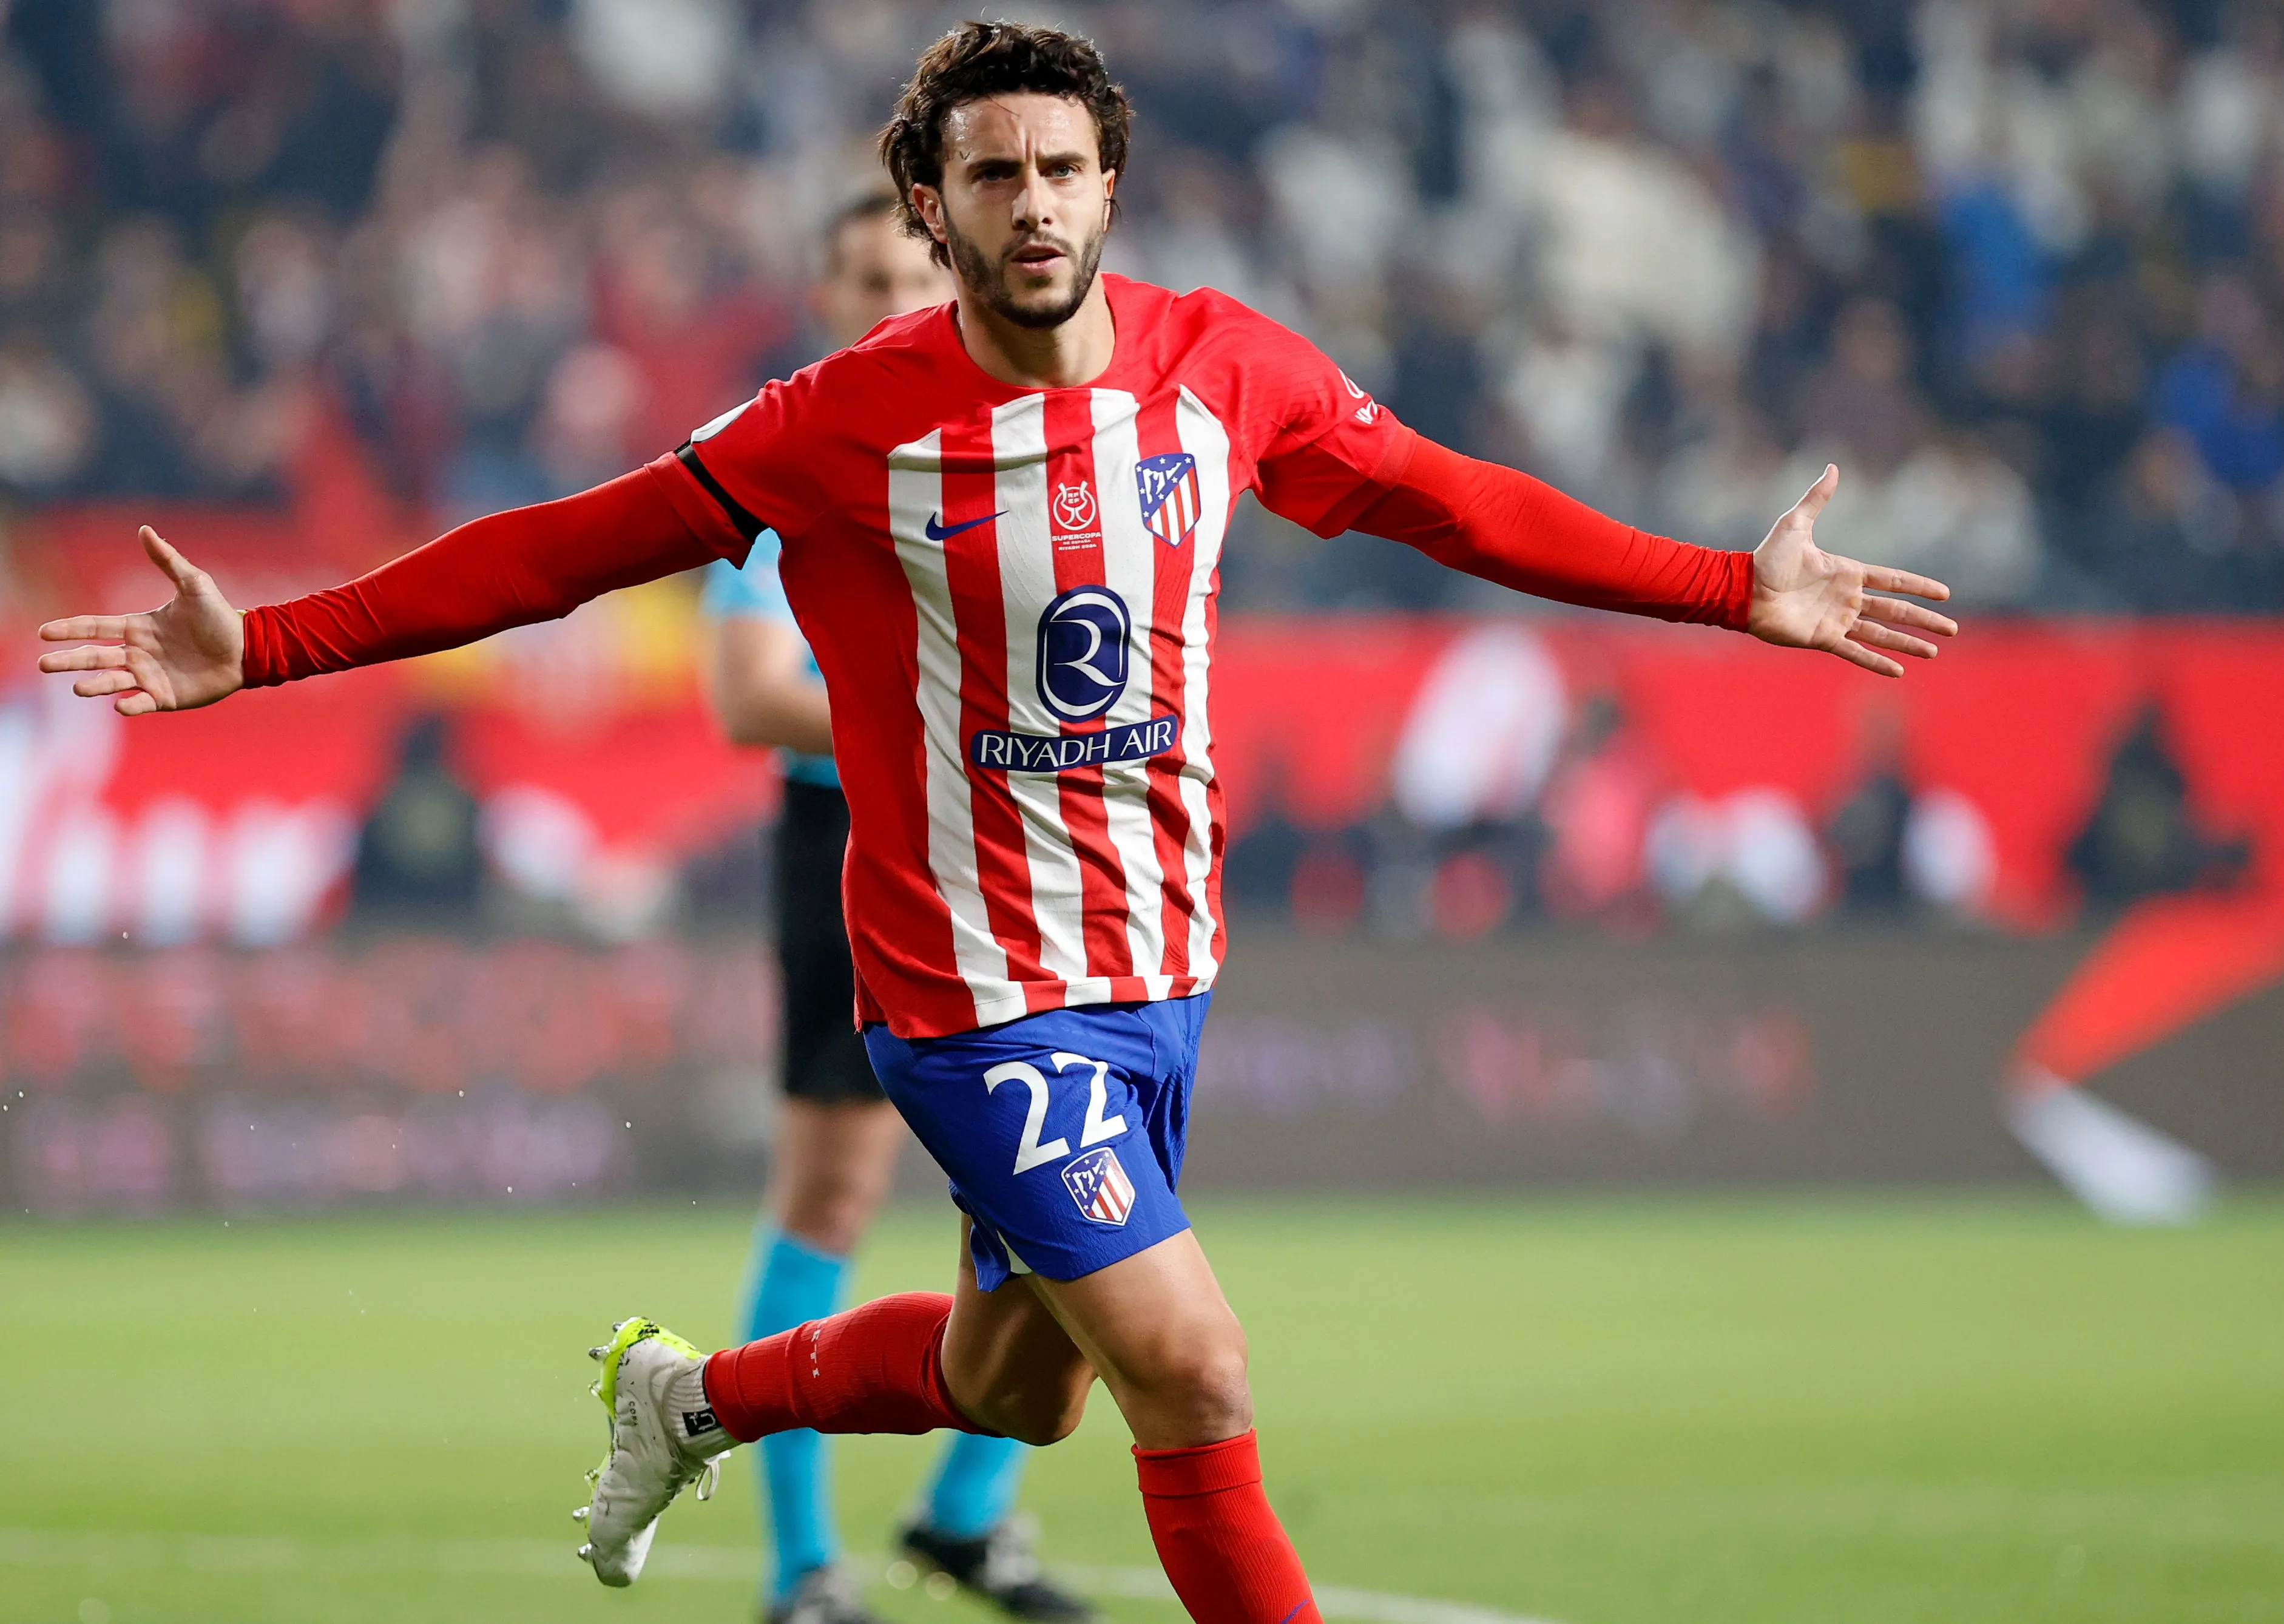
189, 653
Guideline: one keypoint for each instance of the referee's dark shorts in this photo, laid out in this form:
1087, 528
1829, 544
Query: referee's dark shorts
825, 1058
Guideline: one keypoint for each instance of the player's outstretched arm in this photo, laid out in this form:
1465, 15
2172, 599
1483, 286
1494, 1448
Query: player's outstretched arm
187, 653
1806, 598
507, 570
1504, 526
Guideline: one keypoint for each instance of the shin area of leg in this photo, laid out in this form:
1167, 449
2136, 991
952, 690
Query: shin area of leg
876, 1369
1220, 1543
1168, 1345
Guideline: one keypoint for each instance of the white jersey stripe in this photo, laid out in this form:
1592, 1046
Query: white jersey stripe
1027, 575
1129, 569
915, 496
1201, 435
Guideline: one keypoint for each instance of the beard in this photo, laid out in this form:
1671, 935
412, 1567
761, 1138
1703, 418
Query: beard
989, 277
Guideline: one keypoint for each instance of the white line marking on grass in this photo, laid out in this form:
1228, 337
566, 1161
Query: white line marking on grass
234, 1553
1147, 1584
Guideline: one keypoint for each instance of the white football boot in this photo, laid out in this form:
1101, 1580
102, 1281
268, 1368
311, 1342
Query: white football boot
663, 1438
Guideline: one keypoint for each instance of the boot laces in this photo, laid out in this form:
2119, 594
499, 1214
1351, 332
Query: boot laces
709, 1475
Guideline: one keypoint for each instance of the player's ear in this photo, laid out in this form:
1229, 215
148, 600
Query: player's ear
929, 202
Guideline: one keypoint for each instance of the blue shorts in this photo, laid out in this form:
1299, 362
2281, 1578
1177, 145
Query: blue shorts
1062, 1132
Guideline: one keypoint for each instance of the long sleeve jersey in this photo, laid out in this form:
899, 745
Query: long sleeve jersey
1010, 595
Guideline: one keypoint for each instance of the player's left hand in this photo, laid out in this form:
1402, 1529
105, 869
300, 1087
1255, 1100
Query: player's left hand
1806, 598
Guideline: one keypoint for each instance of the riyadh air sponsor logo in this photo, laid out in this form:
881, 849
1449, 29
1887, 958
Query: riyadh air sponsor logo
997, 751
1167, 485
1100, 1187
1082, 642
945, 532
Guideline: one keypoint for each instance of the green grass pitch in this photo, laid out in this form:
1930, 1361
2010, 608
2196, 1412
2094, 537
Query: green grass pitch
1685, 1411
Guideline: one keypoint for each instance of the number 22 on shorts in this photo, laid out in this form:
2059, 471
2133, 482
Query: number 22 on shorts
1030, 1153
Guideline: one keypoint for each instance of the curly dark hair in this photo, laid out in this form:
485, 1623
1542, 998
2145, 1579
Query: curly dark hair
989, 59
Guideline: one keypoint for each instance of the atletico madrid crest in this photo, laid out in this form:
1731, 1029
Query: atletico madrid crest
1167, 485
1100, 1185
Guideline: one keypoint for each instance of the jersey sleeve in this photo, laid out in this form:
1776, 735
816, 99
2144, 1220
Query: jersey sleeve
754, 592
756, 467
1324, 450
1331, 457
1501, 525
506, 569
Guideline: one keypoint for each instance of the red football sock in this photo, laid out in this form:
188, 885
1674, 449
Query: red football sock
1218, 1540
875, 1368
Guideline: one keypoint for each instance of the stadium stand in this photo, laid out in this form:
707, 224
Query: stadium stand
2019, 268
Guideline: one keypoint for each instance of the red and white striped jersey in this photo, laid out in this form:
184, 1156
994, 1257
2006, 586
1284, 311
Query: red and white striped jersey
1010, 595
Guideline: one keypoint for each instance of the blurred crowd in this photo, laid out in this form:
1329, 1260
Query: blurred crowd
2018, 265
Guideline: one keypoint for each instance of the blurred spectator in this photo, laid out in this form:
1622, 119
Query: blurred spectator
1726, 488
47, 422
2168, 535
2141, 838
2225, 391
1748, 858
667, 58
1597, 813
1669, 255
418, 857
1619, 213
2092, 408
1953, 511
1866, 835
1862, 402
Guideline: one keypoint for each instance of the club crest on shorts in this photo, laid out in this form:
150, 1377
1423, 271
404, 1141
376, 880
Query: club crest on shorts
1168, 487
1100, 1185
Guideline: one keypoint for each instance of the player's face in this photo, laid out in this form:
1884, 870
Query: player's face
877, 272
1024, 205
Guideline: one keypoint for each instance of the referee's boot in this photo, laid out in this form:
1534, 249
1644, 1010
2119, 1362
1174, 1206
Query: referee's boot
1000, 1569
825, 1595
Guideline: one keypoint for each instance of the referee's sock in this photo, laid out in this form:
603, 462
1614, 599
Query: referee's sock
790, 1284
973, 1485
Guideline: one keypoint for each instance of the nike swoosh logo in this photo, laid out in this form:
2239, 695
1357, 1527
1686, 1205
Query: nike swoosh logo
945, 532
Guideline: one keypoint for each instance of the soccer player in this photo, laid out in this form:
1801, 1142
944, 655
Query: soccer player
838, 1136
1001, 521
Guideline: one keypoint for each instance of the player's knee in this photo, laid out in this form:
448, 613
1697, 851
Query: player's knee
1199, 1383
1217, 1383
1033, 1412
1044, 1419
